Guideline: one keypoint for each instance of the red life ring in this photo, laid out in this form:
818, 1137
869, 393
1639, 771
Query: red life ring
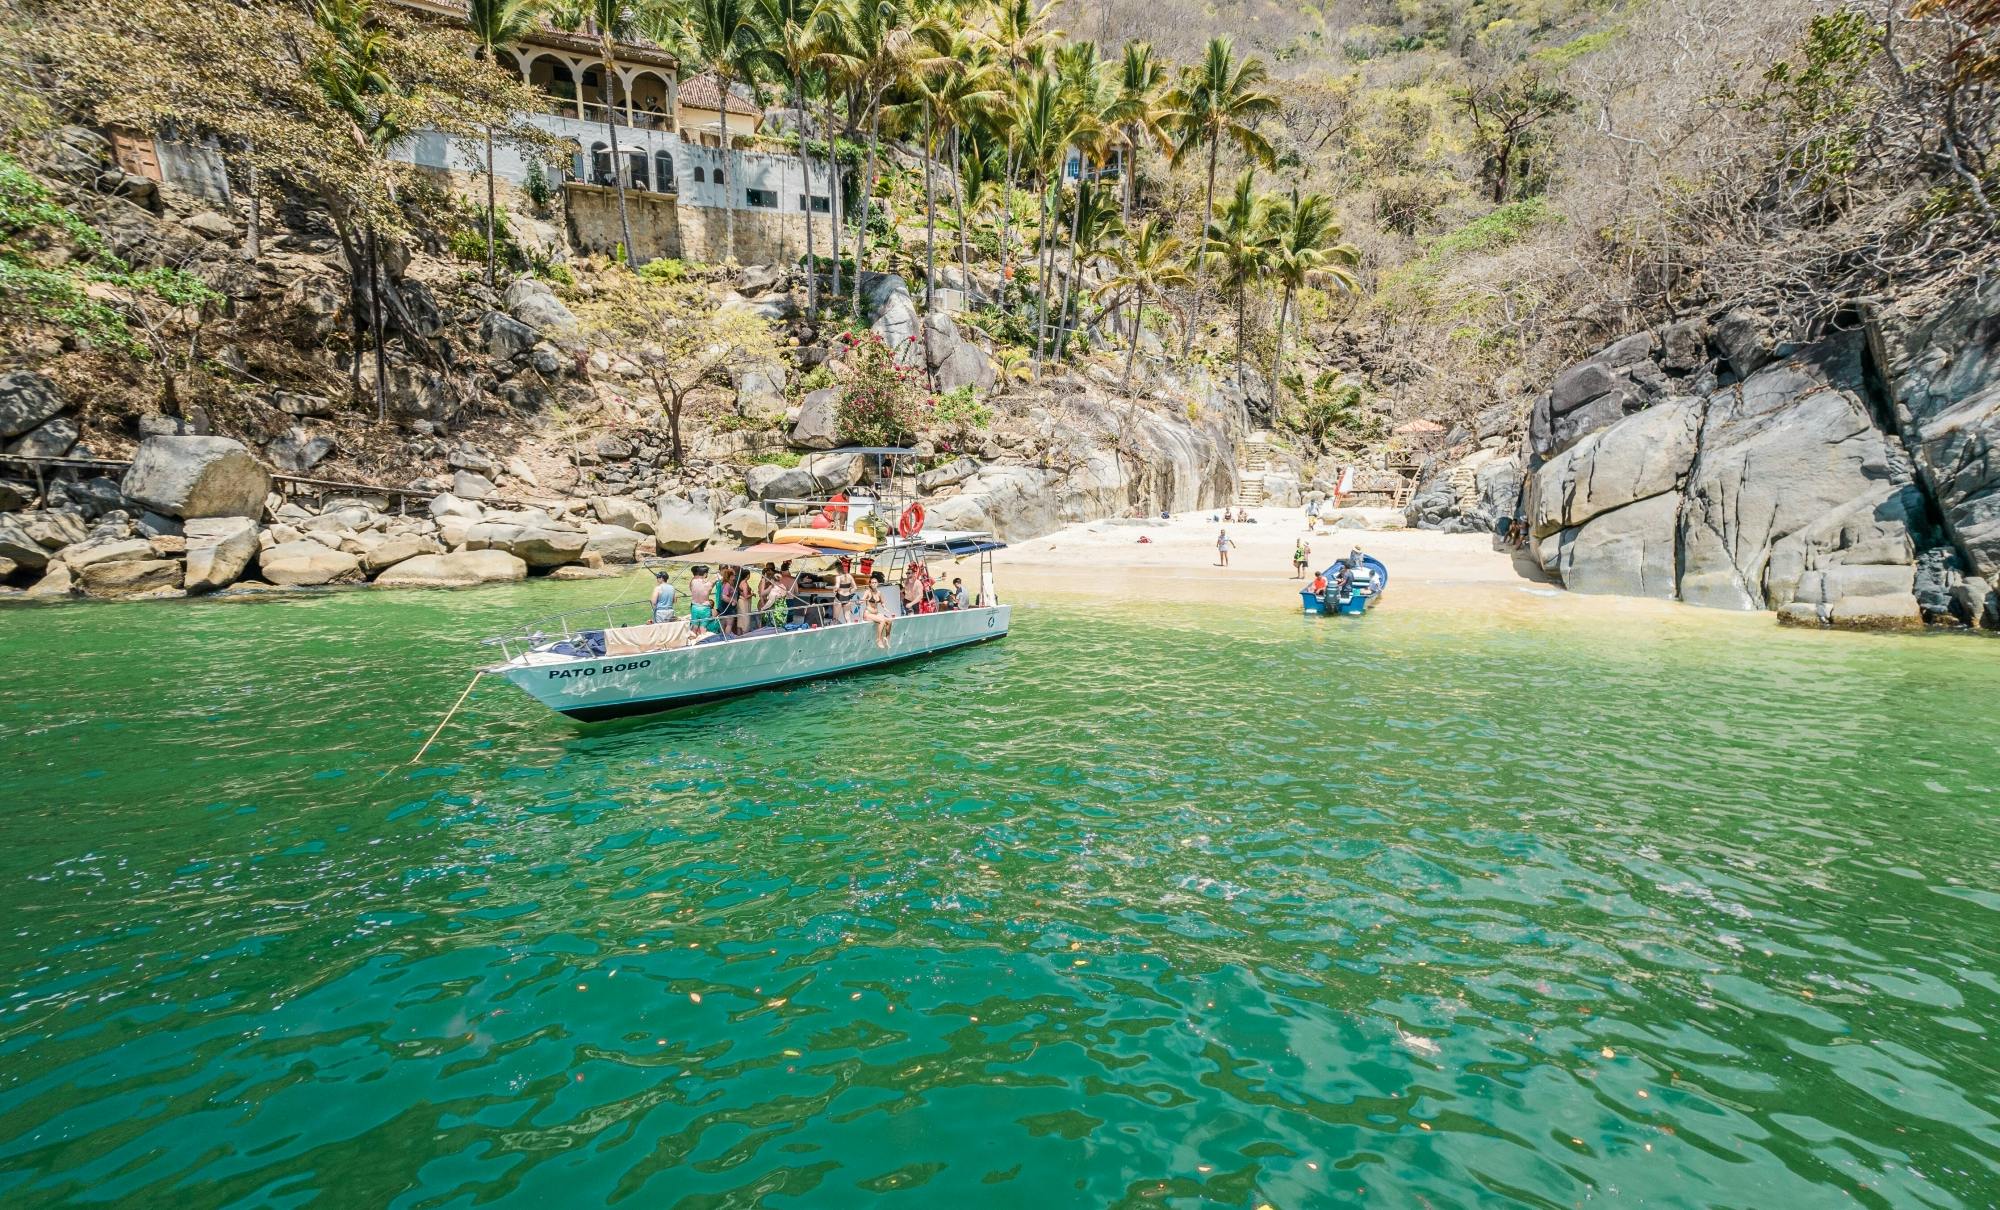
836, 508
912, 522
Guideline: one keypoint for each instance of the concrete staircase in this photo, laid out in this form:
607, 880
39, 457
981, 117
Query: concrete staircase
1253, 460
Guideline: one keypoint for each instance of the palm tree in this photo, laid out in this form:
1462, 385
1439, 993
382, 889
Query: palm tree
1150, 262
1217, 100
727, 35
978, 191
1087, 101
613, 20
875, 52
1039, 124
1019, 35
1140, 111
496, 26
1305, 249
951, 83
1238, 241
793, 30
1097, 231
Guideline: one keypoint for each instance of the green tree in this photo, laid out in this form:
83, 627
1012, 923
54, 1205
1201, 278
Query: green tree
614, 20
1506, 113
1238, 242
1219, 99
793, 33
496, 26
1150, 262
1305, 250
1140, 112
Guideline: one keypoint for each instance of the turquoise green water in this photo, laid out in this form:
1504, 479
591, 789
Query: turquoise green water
1190, 908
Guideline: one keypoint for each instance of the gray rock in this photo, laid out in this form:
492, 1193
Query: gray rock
896, 319
188, 477
460, 569
818, 423
624, 511
298, 403
52, 439
1745, 341
504, 336
544, 313
57, 583
379, 552
109, 550
131, 578
14, 496
951, 474
758, 279
748, 524
681, 525
615, 543
307, 564
966, 365
1628, 551
1281, 490
1628, 350
446, 505
1496, 421
210, 225
534, 544
1684, 346
27, 401
219, 551
1580, 384
1640, 456
93, 497
471, 485
760, 390
610, 447
469, 457
547, 359
298, 450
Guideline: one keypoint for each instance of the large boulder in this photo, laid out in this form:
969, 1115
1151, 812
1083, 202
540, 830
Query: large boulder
131, 578
625, 512
615, 543
965, 364
760, 390
379, 552
897, 321
1644, 455
308, 564
813, 478
27, 401
818, 423
298, 450
505, 336
1628, 551
105, 550
219, 551
536, 545
680, 525
190, 477
746, 524
1281, 489
52, 439
533, 303
461, 569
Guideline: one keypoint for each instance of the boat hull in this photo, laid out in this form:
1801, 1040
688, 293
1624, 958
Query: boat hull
609, 687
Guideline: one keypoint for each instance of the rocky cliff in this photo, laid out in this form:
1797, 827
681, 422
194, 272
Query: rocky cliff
1847, 481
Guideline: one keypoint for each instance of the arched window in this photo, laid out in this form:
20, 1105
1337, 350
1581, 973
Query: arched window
639, 174
719, 178
699, 174
578, 171
600, 164
663, 171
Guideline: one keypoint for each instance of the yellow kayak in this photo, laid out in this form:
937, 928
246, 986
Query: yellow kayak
835, 539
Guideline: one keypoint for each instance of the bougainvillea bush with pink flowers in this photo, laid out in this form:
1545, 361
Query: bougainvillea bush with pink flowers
881, 401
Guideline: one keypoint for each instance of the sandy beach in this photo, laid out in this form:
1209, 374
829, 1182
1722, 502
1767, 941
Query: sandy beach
1176, 558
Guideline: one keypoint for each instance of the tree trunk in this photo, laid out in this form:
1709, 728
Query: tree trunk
958, 204
1242, 318
1278, 356
867, 200
1132, 348
375, 286
253, 232
1075, 280
1007, 223
1042, 291
1131, 176
674, 429
617, 164
812, 261
729, 174
489, 207
835, 200
930, 216
1200, 261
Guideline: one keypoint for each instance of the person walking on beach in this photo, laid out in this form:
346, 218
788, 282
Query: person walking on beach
1222, 548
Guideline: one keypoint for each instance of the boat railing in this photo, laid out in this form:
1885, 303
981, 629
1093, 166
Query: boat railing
560, 627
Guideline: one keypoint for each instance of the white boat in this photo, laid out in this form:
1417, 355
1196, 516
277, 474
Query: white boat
588, 666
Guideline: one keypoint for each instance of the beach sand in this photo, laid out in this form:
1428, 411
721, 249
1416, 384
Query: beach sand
1107, 558
1459, 576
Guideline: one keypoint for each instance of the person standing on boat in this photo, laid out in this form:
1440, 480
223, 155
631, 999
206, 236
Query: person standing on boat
663, 598
701, 604
1222, 547
844, 608
725, 598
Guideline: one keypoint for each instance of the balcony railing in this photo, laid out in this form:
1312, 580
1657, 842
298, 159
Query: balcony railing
593, 111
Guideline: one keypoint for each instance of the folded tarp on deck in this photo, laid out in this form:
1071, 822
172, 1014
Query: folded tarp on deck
657, 636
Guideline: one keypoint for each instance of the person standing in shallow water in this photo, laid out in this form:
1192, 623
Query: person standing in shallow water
1222, 547
1300, 554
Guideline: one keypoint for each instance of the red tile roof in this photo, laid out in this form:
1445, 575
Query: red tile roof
703, 91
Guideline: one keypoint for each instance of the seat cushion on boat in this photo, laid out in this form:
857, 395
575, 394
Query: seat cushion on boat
653, 636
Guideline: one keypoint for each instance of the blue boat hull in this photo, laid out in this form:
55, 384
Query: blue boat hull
1356, 601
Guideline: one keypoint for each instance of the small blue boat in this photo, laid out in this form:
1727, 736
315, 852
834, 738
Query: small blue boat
1364, 587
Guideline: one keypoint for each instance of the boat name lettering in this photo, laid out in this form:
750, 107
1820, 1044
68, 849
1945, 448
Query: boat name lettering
559, 674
